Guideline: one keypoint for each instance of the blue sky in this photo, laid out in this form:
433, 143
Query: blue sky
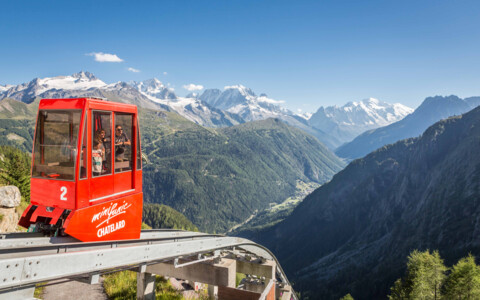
307, 53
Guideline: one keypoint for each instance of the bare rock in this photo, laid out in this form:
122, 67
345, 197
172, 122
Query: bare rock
8, 220
9, 196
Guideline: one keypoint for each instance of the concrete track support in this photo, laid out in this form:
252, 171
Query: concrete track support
216, 274
285, 292
259, 268
145, 286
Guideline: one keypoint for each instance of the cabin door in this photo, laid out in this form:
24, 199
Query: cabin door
101, 183
123, 153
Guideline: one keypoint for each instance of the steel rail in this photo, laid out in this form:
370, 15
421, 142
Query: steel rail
27, 239
33, 264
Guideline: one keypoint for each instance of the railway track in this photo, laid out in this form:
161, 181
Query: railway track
27, 259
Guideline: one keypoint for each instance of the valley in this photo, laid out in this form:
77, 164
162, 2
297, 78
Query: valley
258, 171
273, 214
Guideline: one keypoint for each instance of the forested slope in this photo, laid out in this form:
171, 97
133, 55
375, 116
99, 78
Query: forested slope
352, 235
218, 178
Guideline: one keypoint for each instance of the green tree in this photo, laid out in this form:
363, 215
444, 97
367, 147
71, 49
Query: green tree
347, 297
464, 280
424, 278
397, 291
15, 169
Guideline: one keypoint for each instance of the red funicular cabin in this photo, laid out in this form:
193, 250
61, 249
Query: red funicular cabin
86, 170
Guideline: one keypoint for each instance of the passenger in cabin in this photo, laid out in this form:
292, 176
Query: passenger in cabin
105, 142
97, 156
121, 140
100, 137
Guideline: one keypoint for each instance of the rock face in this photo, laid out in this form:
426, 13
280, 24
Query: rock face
353, 234
8, 220
9, 196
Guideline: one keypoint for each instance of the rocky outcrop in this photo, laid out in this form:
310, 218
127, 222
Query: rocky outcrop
9, 199
8, 219
9, 196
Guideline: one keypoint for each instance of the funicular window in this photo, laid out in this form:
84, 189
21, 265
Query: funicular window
101, 143
56, 144
123, 142
139, 153
83, 153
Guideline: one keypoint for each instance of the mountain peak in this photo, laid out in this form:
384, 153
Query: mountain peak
353, 118
241, 89
371, 100
84, 75
154, 88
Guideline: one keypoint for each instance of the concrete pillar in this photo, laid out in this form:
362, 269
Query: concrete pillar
269, 292
212, 291
145, 286
219, 274
266, 269
285, 292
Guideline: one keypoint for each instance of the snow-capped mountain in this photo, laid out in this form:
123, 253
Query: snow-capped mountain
155, 88
82, 84
354, 118
4, 88
233, 105
242, 101
27, 92
189, 107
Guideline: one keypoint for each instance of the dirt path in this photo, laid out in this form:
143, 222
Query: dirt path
74, 290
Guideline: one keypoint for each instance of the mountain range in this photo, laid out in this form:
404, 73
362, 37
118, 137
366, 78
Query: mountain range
430, 111
233, 105
217, 177
353, 234
354, 118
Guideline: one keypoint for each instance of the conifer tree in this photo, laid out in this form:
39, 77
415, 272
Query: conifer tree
464, 280
347, 297
15, 169
424, 278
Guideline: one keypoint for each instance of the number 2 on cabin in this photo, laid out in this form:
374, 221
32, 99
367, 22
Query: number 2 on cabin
63, 189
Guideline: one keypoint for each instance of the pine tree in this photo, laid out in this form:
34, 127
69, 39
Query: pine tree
347, 297
397, 291
15, 169
424, 278
464, 280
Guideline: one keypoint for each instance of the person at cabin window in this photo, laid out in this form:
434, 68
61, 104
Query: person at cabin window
97, 156
100, 137
121, 140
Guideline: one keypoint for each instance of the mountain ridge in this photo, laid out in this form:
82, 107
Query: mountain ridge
214, 108
430, 111
354, 118
419, 193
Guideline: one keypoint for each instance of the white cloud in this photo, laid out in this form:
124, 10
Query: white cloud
299, 110
268, 100
193, 87
165, 73
133, 70
105, 57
